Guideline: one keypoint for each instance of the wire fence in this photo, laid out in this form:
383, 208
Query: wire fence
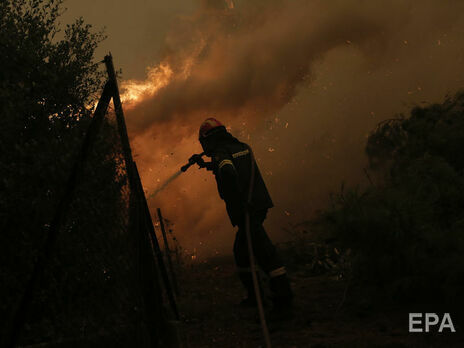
98, 284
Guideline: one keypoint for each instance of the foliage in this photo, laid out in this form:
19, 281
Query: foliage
311, 253
407, 233
48, 87
45, 87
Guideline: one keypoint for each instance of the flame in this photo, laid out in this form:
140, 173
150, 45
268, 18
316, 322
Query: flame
161, 75
135, 91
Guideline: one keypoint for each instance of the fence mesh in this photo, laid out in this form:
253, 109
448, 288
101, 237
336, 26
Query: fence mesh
90, 293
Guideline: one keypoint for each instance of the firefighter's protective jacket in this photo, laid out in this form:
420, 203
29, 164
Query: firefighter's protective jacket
232, 162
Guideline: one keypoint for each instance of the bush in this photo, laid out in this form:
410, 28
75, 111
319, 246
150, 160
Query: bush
407, 233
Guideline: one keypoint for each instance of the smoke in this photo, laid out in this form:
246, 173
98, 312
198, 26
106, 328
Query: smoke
234, 63
302, 81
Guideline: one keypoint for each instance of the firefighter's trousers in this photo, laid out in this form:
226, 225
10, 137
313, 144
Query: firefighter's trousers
266, 257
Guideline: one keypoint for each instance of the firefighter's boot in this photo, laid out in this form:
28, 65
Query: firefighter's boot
247, 281
282, 297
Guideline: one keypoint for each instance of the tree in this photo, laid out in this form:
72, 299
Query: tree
48, 88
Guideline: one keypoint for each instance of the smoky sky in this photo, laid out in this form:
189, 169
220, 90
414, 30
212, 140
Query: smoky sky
303, 82
247, 61
135, 29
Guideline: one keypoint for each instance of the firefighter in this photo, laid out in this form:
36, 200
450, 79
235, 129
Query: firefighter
231, 162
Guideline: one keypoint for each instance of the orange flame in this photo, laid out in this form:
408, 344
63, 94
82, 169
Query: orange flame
135, 91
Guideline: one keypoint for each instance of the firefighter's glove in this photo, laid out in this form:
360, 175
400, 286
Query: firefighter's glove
207, 165
201, 162
196, 158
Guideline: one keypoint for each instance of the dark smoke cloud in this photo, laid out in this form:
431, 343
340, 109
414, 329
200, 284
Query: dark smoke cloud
248, 60
303, 82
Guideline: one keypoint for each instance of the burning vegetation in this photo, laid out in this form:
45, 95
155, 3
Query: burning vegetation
302, 82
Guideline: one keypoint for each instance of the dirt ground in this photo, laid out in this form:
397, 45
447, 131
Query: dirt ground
210, 292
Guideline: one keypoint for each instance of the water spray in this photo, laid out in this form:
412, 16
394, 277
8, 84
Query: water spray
196, 158
166, 183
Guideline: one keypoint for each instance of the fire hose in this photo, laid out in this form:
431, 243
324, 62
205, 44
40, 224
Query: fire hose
197, 158
259, 302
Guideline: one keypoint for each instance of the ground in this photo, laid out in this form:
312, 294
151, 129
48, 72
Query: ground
210, 291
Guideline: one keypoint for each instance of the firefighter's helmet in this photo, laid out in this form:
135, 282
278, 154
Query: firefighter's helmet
209, 126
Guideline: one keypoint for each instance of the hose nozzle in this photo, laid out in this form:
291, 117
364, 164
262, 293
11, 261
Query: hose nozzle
185, 167
196, 158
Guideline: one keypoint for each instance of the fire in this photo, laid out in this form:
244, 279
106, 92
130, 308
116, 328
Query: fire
157, 77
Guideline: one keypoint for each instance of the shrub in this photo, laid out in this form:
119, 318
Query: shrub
407, 233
